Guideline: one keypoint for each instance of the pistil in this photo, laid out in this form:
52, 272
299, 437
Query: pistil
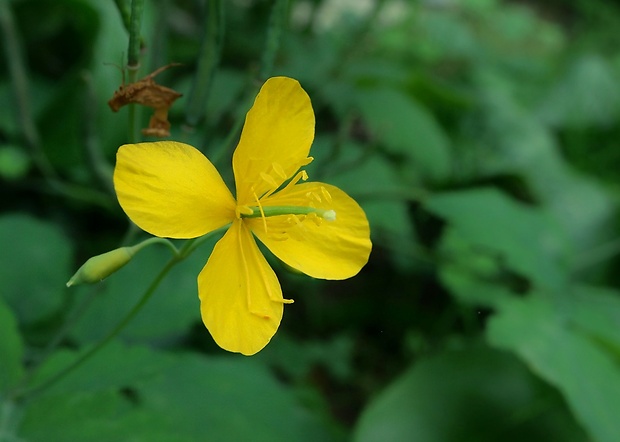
267, 211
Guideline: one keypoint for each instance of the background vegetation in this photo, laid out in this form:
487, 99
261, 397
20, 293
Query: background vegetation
481, 138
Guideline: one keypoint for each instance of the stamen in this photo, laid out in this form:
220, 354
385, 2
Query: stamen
326, 194
262, 212
279, 170
313, 195
301, 175
269, 179
317, 220
296, 219
243, 210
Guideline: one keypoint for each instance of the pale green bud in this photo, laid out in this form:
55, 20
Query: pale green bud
101, 266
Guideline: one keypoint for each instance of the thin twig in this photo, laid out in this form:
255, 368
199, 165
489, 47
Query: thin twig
208, 61
17, 70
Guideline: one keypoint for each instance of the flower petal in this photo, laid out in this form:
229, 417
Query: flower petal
240, 296
276, 138
171, 190
324, 249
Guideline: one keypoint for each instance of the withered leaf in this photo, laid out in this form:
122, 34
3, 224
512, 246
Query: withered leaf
148, 93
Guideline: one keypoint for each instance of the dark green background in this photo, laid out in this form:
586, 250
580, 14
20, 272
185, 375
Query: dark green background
480, 136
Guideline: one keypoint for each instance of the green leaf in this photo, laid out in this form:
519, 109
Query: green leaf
116, 365
406, 128
596, 312
587, 95
526, 237
373, 181
474, 394
473, 277
34, 266
11, 349
101, 416
14, 162
230, 399
384, 198
187, 396
547, 337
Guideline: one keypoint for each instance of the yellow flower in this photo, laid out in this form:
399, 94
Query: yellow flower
172, 190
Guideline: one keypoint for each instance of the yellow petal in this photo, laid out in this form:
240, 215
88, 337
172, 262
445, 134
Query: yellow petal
276, 138
171, 190
240, 297
324, 249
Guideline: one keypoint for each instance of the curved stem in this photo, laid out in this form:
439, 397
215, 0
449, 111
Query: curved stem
274, 35
16, 65
133, 62
188, 247
135, 22
28, 394
156, 240
208, 61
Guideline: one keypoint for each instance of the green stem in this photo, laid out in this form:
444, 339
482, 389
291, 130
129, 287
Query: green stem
208, 60
125, 10
8, 421
135, 22
188, 247
133, 62
28, 394
86, 302
99, 167
274, 35
62, 333
156, 240
224, 150
19, 79
79, 193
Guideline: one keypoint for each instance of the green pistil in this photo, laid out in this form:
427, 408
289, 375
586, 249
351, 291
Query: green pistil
327, 215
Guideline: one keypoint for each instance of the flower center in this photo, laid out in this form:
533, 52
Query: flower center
294, 215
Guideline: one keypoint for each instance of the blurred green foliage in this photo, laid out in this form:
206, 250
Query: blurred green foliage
481, 138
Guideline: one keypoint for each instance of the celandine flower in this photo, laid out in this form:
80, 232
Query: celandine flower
171, 190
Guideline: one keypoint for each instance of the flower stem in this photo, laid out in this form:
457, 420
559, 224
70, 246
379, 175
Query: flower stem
133, 61
208, 60
17, 70
179, 255
135, 22
157, 240
100, 168
28, 394
124, 8
274, 34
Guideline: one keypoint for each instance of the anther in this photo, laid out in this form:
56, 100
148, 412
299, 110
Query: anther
278, 170
294, 218
301, 175
262, 212
326, 194
282, 236
317, 220
269, 179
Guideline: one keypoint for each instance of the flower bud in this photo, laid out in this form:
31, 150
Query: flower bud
101, 266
